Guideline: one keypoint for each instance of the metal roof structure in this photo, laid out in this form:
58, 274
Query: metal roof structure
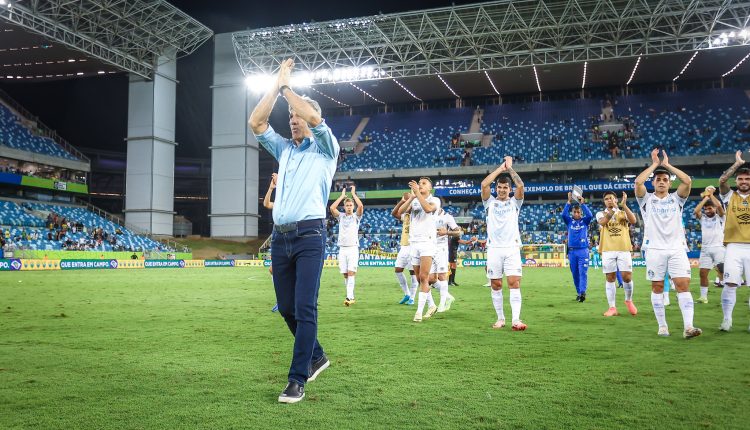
127, 34
503, 47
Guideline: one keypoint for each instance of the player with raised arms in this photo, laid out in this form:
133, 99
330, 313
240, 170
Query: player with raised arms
665, 239
504, 241
348, 239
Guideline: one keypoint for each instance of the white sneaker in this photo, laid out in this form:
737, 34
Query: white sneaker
430, 311
726, 325
417, 317
441, 309
691, 332
666, 299
499, 324
663, 331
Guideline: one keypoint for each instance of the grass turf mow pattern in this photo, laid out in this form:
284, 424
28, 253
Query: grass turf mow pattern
199, 348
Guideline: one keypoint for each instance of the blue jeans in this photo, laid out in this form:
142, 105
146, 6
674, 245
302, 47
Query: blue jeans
297, 258
579, 267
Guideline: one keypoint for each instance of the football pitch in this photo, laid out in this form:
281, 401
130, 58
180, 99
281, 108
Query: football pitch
200, 348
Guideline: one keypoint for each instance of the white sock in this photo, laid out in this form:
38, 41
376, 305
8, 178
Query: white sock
657, 301
414, 286
611, 290
402, 282
704, 292
686, 306
421, 302
350, 287
628, 287
443, 288
665, 295
430, 301
515, 304
497, 301
728, 299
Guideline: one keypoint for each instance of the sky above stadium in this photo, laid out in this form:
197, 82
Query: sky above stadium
92, 113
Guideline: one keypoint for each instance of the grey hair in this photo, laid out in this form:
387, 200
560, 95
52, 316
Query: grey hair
315, 105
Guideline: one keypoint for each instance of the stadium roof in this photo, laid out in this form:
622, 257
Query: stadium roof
504, 47
44, 39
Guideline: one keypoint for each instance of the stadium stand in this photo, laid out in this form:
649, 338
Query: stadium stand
41, 226
14, 134
686, 123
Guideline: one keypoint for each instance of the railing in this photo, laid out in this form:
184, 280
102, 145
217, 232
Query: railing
266, 244
137, 230
47, 132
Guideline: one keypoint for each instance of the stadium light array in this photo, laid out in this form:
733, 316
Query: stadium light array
329, 97
406, 89
686, 66
365, 93
536, 77
585, 68
727, 39
736, 66
494, 88
632, 74
448, 86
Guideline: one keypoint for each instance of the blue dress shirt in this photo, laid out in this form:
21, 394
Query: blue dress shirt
305, 173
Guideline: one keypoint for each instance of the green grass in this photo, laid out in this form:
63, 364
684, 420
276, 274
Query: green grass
199, 348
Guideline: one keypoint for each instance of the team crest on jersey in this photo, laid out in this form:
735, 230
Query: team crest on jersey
650, 273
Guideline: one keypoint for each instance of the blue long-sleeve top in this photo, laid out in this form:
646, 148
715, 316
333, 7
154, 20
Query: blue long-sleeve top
578, 229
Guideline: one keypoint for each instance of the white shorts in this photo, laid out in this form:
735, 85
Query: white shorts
661, 261
440, 260
348, 259
612, 261
737, 263
421, 249
403, 259
711, 257
503, 261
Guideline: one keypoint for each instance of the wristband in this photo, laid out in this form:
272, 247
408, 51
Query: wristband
282, 88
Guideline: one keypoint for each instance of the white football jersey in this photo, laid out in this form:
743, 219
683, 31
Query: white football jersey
422, 226
663, 221
444, 220
502, 222
349, 229
712, 231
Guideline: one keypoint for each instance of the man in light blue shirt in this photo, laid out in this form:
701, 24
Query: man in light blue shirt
307, 163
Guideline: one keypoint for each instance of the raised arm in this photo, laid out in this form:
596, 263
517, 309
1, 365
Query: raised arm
487, 182
335, 205
686, 182
516, 179
624, 205
640, 181
587, 215
406, 205
395, 212
738, 161
360, 206
566, 211
697, 211
267, 203
717, 204
426, 206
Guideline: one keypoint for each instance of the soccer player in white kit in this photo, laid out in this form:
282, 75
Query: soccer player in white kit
348, 239
736, 235
403, 259
504, 241
710, 213
666, 242
446, 227
422, 207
